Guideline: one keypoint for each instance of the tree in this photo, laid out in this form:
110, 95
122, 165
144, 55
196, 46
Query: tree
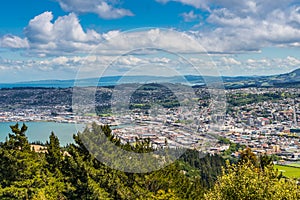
53, 155
162, 195
265, 161
247, 156
23, 176
246, 181
18, 139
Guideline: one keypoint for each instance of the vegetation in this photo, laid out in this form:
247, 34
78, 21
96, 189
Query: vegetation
241, 99
73, 173
26, 174
253, 178
289, 171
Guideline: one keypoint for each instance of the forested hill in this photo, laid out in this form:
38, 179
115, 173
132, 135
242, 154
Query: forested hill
73, 173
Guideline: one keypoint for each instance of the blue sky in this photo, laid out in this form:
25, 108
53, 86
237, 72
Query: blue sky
54, 39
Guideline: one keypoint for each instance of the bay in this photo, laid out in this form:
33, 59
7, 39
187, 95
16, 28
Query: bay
40, 131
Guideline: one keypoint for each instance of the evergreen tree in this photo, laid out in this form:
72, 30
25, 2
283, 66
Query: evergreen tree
18, 139
53, 155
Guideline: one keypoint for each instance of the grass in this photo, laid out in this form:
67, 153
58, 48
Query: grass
90, 114
295, 165
289, 171
105, 115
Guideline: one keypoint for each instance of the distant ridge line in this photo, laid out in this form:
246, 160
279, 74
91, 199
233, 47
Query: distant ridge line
290, 79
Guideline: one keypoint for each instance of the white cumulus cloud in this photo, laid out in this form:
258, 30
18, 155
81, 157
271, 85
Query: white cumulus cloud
103, 8
65, 34
230, 61
190, 16
14, 42
195, 3
234, 26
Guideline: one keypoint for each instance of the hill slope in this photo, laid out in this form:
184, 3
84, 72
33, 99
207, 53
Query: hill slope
291, 79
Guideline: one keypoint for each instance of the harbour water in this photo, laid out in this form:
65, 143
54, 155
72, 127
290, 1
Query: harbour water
40, 131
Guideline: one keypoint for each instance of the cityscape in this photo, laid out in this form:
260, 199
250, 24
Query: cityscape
267, 126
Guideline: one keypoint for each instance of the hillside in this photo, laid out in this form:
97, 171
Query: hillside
291, 79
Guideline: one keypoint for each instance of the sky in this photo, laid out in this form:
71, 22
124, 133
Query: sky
67, 39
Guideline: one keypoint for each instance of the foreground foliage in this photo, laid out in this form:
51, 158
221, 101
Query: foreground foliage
253, 179
75, 174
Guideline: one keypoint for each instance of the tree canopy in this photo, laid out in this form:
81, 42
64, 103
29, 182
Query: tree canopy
253, 178
72, 172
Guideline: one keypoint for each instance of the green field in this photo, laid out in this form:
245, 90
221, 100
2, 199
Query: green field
291, 172
295, 165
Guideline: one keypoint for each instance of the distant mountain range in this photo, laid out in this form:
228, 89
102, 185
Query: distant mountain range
291, 79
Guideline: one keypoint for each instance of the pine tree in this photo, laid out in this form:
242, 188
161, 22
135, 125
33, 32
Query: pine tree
53, 155
18, 139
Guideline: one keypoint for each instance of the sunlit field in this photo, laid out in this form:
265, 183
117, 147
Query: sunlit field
289, 171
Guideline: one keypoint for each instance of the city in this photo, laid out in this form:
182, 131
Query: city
269, 124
